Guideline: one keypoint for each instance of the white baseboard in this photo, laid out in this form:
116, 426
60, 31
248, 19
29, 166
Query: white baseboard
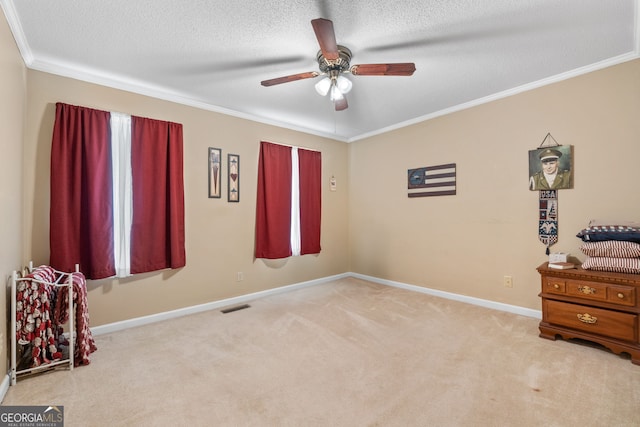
4, 386
457, 297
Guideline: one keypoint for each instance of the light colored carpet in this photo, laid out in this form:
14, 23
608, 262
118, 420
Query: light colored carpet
346, 353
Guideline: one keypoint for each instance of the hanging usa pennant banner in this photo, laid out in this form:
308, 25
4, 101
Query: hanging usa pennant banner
548, 222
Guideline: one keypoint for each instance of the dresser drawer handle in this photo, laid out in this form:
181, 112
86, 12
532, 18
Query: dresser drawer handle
586, 290
556, 286
587, 318
620, 295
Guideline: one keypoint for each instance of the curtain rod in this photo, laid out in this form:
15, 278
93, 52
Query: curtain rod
289, 145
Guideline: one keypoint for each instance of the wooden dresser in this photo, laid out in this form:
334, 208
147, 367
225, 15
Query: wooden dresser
597, 306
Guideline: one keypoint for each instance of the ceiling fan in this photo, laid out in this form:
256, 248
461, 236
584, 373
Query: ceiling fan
333, 61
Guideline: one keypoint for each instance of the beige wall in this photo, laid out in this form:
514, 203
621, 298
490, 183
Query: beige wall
219, 235
12, 116
466, 243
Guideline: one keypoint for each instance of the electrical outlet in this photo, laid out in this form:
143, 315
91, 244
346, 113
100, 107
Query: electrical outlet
240, 276
508, 282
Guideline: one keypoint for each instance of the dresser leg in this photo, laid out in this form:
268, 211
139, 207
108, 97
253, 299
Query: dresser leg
547, 333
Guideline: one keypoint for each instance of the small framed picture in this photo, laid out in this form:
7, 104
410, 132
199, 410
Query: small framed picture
215, 167
233, 179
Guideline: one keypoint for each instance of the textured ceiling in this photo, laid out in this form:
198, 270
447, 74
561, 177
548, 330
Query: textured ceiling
213, 53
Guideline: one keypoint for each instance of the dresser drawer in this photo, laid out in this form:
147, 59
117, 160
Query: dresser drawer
603, 322
623, 295
588, 290
554, 286
595, 291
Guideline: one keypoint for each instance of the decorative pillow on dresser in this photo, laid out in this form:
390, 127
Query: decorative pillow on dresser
609, 232
612, 248
618, 265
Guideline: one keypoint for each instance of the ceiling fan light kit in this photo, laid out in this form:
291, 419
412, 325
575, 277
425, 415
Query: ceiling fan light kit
333, 61
323, 86
344, 84
332, 84
335, 93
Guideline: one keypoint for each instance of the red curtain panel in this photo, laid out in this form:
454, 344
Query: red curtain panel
310, 164
157, 232
273, 204
81, 212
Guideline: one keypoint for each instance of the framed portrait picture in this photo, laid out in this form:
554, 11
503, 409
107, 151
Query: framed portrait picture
551, 168
233, 178
215, 167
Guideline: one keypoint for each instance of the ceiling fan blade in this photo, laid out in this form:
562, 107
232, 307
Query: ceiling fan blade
326, 38
399, 69
341, 104
291, 78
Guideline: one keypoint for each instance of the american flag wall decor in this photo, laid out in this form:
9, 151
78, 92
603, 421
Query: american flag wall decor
429, 181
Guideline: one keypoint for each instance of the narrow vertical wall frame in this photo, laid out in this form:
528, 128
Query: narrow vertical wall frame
215, 167
233, 178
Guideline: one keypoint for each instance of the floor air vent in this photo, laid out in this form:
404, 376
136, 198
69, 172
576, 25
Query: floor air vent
236, 308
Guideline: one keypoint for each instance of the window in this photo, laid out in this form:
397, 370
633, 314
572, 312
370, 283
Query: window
288, 208
93, 185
